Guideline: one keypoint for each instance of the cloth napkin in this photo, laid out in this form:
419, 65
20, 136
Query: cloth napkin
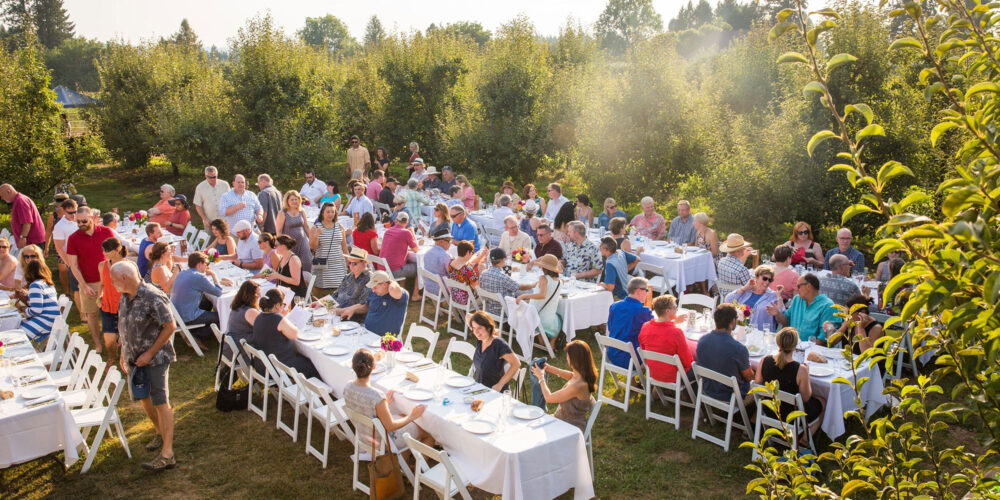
43, 400
525, 321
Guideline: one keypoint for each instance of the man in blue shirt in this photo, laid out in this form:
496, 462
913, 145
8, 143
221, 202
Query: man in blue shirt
844, 240
617, 266
811, 313
386, 305
190, 286
626, 318
462, 229
436, 259
720, 352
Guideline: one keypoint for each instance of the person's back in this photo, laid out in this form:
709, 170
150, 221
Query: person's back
665, 338
270, 201
363, 399
720, 352
625, 319
187, 292
395, 243
268, 339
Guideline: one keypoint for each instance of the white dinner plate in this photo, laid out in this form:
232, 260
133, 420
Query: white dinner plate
755, 350
348, 325
320, 312
375, 344
418, 394
670, 255
336, 350
459, 382
378, 369
820, 370
19, 350
310, 336
38, 392
409, 357
528, 412
479, 426
31, 370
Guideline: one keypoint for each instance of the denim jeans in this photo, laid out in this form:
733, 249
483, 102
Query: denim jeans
537, 398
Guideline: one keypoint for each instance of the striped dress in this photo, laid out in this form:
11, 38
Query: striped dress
43, 308
329, 248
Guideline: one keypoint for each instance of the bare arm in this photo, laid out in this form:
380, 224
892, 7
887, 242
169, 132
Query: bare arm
511, 372
288, 329
279, 222
391, 424
395, 291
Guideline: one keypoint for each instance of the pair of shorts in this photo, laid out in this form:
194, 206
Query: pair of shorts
74, 286
91, 304
109, 322
159, 393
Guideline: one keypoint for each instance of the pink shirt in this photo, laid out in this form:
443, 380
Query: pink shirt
374, 188
395, 242
166, 210
22, 211
787, 278
469, 198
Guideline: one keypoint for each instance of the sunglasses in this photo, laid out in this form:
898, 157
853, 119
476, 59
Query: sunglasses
643, 289
4, 246
800, 285
804, 232
70, 212
766, 279
211, 176
29, 256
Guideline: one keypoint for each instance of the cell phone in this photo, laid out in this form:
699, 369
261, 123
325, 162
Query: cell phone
540, 363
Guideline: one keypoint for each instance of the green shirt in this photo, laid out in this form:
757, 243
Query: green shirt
808, 319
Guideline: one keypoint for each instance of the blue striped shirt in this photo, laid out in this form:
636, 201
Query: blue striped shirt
43, 308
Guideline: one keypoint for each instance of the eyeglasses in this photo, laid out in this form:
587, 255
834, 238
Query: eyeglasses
804, 232
4, 246
28, 256
211, 176
766, 279
643, 289
800, 285
70, 212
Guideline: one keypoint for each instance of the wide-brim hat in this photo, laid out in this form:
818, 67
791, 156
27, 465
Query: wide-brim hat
549, 262
431, 170
357, 253
441, 233
418, 160
58, 199
378, 277
733, 243
530, 206
181, 198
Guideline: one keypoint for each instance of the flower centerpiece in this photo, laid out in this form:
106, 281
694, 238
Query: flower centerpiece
520, 205
743, 312
305, 201
629, 230
391, 345
140, 217
213, 255
521, 255
1, 348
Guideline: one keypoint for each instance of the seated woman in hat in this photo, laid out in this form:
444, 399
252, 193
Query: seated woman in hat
180, 217
547, 298
507, 189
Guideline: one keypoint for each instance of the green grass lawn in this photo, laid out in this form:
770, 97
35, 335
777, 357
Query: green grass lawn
237, 455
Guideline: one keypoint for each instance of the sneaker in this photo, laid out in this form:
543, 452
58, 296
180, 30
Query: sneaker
160, 463
155, 444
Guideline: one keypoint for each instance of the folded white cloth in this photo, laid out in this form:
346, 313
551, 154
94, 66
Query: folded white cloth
525, 321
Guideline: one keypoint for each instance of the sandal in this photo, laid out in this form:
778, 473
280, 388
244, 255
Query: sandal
160, 463
155, 444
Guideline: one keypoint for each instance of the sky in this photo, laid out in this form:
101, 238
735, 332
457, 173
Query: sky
215, 21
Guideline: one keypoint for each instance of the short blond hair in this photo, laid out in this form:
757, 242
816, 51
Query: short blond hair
701, 217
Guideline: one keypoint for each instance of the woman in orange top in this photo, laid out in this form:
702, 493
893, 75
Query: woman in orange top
114, 252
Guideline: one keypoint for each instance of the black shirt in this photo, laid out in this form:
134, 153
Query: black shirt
490, 363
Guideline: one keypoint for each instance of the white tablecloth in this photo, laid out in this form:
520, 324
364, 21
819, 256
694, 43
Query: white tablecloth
30, 433
689, 268
518, 462
580, 308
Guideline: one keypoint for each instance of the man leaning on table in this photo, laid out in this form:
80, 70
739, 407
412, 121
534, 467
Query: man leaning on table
811, 313
352, 294
145, 326
386, 304
248, 253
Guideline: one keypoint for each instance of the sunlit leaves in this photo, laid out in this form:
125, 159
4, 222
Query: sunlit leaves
818, 138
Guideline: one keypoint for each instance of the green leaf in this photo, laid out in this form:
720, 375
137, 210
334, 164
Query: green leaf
785, 14
892, 169
839, 60
792, 57
910, 199
855, 485
862, 109
939, 129
828, 12
856, 209
820, 136
870, 130
906, 43
813, 88
982, 87
780, 29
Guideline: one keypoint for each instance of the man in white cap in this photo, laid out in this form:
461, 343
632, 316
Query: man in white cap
352, 295
248, 253
418, 170
731, 267
436, 259
386, 304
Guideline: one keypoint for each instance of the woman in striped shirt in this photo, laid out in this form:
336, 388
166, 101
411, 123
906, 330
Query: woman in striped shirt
43, 304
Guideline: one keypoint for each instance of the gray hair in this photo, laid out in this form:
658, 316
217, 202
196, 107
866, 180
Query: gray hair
701, 217
510, 218
125, 269
685, 203
646, 199
636, 283
458, 208
170, 188
402, 216
211, 170
399, 199
504, 200
446, 169
578, 228
412, 183
356, 174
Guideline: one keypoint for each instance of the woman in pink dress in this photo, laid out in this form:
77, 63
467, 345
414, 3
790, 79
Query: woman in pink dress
468, 194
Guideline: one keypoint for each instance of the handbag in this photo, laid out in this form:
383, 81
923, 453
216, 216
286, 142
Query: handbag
227, 400
385, 479
319, 263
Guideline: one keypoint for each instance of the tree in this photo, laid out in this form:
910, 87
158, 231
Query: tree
52, 22
374, 33
740, 16
702, 14
186, 37
472, 30
626, 22
328, 33
73, 63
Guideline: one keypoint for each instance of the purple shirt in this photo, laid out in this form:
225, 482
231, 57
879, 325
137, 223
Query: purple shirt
22, 211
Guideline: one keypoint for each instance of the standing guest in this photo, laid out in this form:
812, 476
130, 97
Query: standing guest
462, 229
60, 233
507, 189
441, 218
50, 223
437, 260
610, 212
365, 236
720, 352
584, 212
757, 295
399, 247
180, 217
313, 189
163, 271
371, 402
704, 236
731, 267
546, 299
207, 196
292, 222
583, 258
844, 239
492, 353
495, 280
388, 192
240, 204
274, 334
146, 327
359, 203
381, 159
270, 201
418, 174
649, 224
575, 398
114, 253
785, 276
468, 193
838, 284
24, 257
617, 229
242, 315
565, 215
465, 270
223, 243
661, 335
386, 304
415, 200
502, 211
431, 181
352, 294
531, 194
161, 212
375, 186
8, 266
556, 201
805, 251
332, 195
25, 221
625, 320
513, 238
266, 242
810, 313
547, 244
84, 253
882, 272
792, 377
191, 286
682, 228
618, 265
248, 252
414, 153
289, 270
328, 240
447, 180
358, 157
42, 307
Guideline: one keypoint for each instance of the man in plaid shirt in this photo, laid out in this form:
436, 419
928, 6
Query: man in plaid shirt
731, 268
497, 281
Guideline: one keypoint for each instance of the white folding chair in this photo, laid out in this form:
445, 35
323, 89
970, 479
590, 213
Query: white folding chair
65, 304
80, 391
732, 407
634, 369
263, 376
56, 345
71, 363
437, 298
594, 411
456, 308
725, 288
766, 419
103, 415
679, 387
234, 361
200, 240
522, 373
375, 259
380, 208
185, 330
659, 282
486, 298
288, 391
697, 299
444, 478
311, 279
189, 233
89, 397
456, 346
421, 332
370, 437
493, 234
323, 408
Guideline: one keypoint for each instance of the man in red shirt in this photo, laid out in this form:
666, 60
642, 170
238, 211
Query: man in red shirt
396, 243
25, 221
662, 336
84, 253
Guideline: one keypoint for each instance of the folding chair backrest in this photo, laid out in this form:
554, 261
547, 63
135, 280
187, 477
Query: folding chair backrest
453, 285
701, 372
456, 346
421, 332
670, 359
320, 395
259, 363
605, 342
65, 304
90, 373
369, 435
189, 233
58, 338
75, 350
495, 298
426, 276
594, 411
697, 299
285, 374
216, 332
111, 390
421, 452
375, 259
311, 280
182, 327
200, 240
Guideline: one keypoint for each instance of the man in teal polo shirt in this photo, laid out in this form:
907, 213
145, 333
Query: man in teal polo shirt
811, 313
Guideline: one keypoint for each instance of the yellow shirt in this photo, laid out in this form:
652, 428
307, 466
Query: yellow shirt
357, 158
207, 197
